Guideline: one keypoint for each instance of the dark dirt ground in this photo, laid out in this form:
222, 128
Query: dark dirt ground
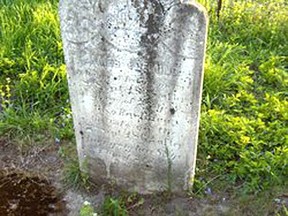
31, 184
26, 181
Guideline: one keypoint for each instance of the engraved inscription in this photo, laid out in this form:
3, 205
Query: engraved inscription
135, 77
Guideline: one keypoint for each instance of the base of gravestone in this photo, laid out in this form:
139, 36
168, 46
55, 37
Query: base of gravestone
113, 184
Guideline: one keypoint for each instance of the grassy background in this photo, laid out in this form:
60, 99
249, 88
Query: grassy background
244, 119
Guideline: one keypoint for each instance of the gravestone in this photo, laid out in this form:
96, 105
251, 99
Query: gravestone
135, 72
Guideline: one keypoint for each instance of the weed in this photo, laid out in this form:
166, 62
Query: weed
74, 177
169, 169
87, 210
114, 207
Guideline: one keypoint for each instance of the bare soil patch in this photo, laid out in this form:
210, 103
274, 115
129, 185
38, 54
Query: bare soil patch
26, 183
21, 194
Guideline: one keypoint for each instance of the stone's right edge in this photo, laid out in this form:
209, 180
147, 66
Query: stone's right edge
201, 10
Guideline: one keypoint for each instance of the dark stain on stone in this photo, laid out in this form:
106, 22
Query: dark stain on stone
172, 111
177, 27
103, 76
82, 139
149, 53
100, 7
97, 169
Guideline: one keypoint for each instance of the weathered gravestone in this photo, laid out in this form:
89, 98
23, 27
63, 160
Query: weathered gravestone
135, 71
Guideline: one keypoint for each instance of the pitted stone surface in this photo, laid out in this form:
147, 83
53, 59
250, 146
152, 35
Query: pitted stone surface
135, 71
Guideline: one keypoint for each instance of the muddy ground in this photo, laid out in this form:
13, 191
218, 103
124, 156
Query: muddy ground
31, 183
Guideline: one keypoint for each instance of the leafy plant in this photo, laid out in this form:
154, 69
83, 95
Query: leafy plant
87, 210
114, 207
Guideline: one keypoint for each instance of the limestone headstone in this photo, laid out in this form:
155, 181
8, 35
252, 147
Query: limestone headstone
135, 71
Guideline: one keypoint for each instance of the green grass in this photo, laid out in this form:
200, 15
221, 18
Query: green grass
244, 119
33, 87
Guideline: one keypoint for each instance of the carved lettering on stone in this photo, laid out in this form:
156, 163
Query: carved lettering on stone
135, 71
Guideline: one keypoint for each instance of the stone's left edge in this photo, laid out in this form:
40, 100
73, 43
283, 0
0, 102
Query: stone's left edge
62, 12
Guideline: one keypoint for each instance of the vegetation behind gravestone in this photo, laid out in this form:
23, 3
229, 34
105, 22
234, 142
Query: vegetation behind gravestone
244, 118
243, 136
